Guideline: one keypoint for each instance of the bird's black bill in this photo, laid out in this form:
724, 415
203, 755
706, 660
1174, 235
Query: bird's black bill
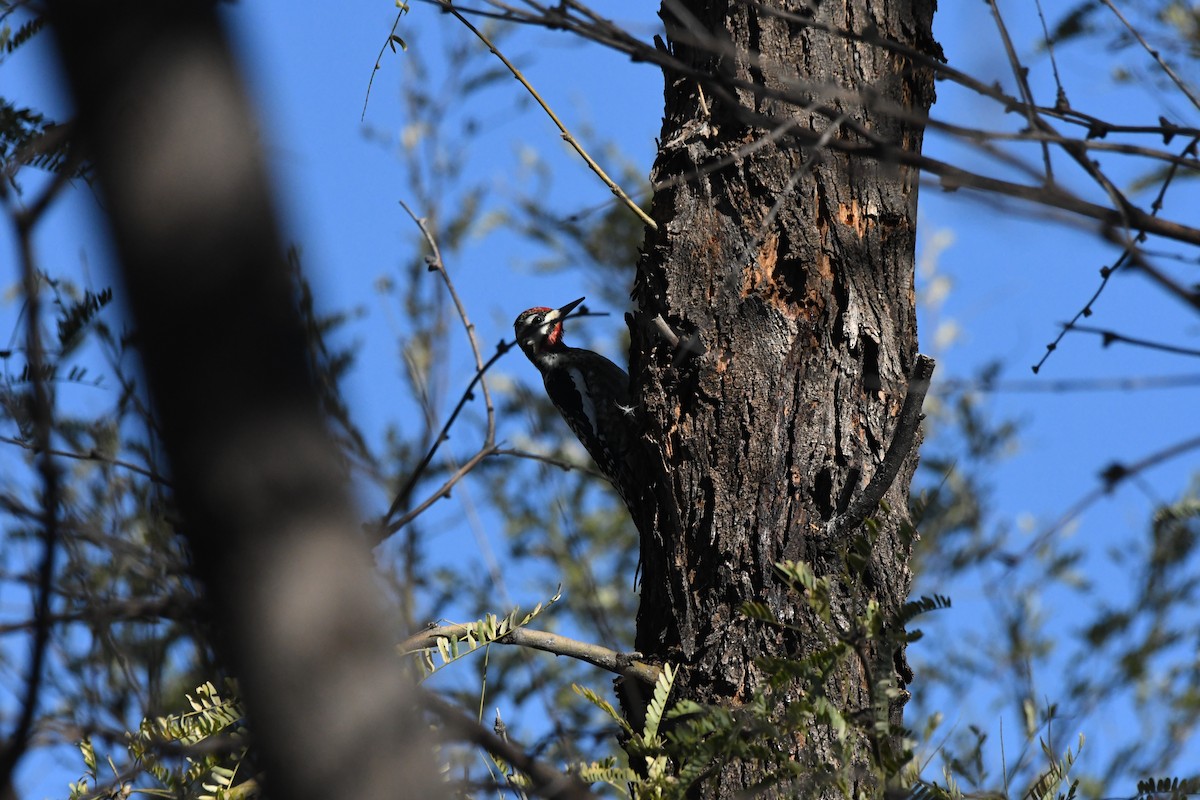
569, 307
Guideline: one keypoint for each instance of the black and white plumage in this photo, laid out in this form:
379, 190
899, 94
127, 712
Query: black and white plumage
591, 393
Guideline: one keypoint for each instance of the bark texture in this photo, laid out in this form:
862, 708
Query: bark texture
791, 264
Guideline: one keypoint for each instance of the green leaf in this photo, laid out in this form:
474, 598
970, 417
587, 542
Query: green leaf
658, 703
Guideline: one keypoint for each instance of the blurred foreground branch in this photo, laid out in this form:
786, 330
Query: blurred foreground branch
258, 481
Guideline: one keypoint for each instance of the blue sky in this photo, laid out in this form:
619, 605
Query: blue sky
1014, 277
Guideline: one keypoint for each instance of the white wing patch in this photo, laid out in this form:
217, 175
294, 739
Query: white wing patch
585, 399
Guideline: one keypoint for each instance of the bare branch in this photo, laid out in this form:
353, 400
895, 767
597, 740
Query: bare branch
1020, 74
1121, 214
904, 437
438, 265
545, 781
565, 466
92, 455
405, 492
1110, 337
1069, 384
625, 664
379, 59
567, 136
1181, 84
442, 491
1130, 252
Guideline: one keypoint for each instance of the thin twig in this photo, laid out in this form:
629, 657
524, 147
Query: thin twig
439, 266
565, 466
1020, 75
1181, 84
1129, 252
442, 491
91, 456
1069, 384
1099, 128
1109, 337
436, 264
379, 59
566, 135
1086, 311
406, 491
978, 135
1060, 94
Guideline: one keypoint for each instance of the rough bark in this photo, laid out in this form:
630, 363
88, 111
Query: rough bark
792, 267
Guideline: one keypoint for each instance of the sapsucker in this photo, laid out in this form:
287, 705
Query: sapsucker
591, 393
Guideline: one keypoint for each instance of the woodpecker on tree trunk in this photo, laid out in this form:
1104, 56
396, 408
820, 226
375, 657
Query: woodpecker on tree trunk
591, 393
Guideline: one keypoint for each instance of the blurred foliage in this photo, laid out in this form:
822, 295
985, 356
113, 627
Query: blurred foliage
1172, 27
192, 754
27, 136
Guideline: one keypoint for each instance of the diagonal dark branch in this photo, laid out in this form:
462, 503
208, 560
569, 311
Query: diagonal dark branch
386, 526
436, 264
904, 438
544, 780
442, 491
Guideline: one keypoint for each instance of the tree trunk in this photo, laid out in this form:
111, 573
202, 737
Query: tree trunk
788, 261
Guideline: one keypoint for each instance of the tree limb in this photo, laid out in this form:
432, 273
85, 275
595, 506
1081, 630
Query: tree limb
545, 781
904, 436
625, 664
